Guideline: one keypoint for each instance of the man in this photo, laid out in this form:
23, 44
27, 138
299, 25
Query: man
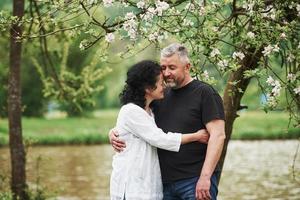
189, 105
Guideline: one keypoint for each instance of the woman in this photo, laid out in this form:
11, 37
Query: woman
136, 172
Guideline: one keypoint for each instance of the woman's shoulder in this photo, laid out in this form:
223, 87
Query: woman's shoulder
131, 108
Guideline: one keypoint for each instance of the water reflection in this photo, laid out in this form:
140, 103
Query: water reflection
260, 170
252, 170
73, 172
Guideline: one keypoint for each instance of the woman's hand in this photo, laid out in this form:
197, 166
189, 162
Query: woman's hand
202, 136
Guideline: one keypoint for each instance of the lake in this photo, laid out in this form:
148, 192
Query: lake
252, 170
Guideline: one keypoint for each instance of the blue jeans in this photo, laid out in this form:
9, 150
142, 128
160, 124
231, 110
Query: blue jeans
185, 189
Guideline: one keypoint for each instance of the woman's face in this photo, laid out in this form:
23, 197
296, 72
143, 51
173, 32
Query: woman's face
158, 92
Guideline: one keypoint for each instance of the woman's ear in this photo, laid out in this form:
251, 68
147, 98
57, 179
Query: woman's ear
148, 91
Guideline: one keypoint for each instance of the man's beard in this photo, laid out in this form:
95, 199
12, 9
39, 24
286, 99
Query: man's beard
172, 84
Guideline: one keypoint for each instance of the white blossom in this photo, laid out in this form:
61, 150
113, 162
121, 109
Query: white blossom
190, 7
83, 44
239, 55
129, 24
151, 10
130, 27
149, 14
223, 64
297, 90
132, 34
130, 15
202, 11
271, 101
108, 3
205, 75
215, 52
269, 12
276, 89
176, 30
187, 22
125, 4
141, 4
157, 36
161, 6
214, 28
270, 81
160, 38
282, 35
269, 49
153, 36
174, 11
291, 77
276, 48
290, 58
110, 37
215, 4
298, 9
250, 35
249, 7
92, 2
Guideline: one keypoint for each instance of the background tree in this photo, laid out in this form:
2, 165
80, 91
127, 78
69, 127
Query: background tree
17, 152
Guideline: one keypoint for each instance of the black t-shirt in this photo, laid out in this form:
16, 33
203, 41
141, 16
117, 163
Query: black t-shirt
186, 110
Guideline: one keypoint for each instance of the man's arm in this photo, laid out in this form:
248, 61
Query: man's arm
114, 140
216, 129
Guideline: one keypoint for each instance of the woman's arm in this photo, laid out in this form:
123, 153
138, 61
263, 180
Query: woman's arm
138, 122
201, 136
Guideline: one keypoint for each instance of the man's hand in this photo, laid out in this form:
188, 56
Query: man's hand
202, 189
203, 136
114, 140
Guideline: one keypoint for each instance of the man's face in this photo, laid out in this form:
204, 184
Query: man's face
174, 71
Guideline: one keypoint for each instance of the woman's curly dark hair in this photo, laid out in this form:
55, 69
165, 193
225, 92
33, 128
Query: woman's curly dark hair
140, 76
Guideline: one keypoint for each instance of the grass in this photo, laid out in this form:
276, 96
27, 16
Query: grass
93, 130
260, 125
41, 131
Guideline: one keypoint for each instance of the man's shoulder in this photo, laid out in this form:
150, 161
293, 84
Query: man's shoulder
204, 87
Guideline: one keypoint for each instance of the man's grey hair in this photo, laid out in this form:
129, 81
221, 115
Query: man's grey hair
178, 49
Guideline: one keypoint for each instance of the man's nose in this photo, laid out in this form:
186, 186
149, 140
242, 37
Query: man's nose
166, 72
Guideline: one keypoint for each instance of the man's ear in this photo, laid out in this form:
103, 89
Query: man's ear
188, 66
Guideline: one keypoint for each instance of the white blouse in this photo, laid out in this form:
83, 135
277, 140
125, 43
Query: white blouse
136, 172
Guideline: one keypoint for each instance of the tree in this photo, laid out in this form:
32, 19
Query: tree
17, 152
70, 85
241, 40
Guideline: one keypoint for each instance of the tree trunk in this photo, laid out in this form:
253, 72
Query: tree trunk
17, 152
233, 95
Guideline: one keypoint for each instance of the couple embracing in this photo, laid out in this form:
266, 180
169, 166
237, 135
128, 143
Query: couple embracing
169, 133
